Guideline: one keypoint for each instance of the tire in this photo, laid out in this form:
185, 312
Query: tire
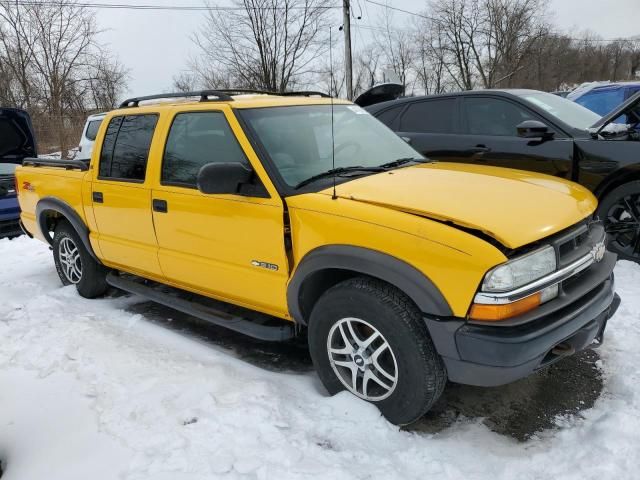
620, 212
369, 306
75, 265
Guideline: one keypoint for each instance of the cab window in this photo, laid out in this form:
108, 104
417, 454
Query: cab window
125, 149
493, 116
432, 116
196, 139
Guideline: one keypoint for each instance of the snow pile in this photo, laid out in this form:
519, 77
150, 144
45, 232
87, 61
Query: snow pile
91, 390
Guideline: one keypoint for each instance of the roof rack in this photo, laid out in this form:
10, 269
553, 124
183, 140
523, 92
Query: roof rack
224, 95
203, 94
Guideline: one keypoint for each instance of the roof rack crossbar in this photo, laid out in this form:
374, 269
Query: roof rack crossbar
267, 92
203, 94
306, 93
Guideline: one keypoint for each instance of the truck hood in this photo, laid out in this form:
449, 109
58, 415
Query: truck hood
512, 206
16, 135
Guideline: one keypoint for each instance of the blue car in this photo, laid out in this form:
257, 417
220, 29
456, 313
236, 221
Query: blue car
17, 142
604, 97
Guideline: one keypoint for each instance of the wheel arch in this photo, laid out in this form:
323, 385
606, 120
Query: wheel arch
51, 210
628, 174
326, 266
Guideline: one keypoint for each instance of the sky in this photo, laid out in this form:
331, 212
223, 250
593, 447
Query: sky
155, 45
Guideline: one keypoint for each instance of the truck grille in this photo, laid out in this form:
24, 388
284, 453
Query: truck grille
10, 228
577, 242
7, 181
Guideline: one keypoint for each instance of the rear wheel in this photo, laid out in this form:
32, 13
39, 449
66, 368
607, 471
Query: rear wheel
75, 265
620, 211
368, 338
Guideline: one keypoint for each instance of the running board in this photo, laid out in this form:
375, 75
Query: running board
271, 333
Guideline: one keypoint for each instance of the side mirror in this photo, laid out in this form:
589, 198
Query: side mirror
221, 178
534, 129
3, 191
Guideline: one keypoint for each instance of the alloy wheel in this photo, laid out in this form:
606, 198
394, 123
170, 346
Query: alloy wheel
70, 260
362, 359
623, 225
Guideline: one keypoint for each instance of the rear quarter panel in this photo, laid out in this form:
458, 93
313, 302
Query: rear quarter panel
36, 183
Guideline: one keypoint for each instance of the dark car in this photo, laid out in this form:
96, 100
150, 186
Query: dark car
536, 131
17, 141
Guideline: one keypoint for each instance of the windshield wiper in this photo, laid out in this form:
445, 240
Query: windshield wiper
402, 161
338, 171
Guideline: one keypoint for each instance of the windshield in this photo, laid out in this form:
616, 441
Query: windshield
7, 168
298, 139
571, 113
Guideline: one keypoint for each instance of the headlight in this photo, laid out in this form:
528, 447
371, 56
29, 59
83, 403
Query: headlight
520, 271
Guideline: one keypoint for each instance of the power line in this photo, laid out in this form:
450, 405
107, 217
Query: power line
415, 14
128, 6
389, 7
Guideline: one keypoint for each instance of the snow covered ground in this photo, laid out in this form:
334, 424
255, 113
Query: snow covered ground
93, 390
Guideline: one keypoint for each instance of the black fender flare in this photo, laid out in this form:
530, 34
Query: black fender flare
63, 208
363, 261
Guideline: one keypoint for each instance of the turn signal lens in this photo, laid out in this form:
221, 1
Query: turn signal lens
495, 313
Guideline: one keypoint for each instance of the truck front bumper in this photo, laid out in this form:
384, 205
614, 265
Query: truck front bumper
10, 228
491, 355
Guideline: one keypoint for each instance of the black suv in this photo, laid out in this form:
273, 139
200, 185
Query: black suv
537, 131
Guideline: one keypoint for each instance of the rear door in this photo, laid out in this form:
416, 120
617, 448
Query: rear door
489, 137
121, 194
432, 127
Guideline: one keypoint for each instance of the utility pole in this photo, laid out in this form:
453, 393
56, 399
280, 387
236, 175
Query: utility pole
348, 62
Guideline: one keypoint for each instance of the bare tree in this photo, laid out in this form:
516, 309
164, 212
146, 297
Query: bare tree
18, 38
51, 65
396, 48
106, 83
267, 44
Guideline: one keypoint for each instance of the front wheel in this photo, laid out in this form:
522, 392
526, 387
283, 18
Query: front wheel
620, 212
368, 338
75, 265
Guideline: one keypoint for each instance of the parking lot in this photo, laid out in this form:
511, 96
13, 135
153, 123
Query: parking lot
140, 391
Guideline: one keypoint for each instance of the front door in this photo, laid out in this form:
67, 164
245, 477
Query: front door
489, 137
121, 196
227, 246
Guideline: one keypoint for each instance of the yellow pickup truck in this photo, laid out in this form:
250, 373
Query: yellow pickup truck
277, 216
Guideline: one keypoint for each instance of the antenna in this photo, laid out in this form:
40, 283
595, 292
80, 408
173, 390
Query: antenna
333, 143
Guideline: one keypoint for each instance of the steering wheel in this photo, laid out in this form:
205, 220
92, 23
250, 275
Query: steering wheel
348, 144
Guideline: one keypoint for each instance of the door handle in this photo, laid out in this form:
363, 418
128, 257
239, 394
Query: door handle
480, 149
160, 206
98, 197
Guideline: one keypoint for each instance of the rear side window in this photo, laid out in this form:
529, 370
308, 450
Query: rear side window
125, 149
92, 129
389, 116
196, 139
433, 116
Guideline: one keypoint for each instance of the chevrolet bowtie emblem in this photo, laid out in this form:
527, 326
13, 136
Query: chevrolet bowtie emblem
598, 251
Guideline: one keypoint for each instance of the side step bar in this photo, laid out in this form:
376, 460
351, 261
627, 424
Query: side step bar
271, 333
